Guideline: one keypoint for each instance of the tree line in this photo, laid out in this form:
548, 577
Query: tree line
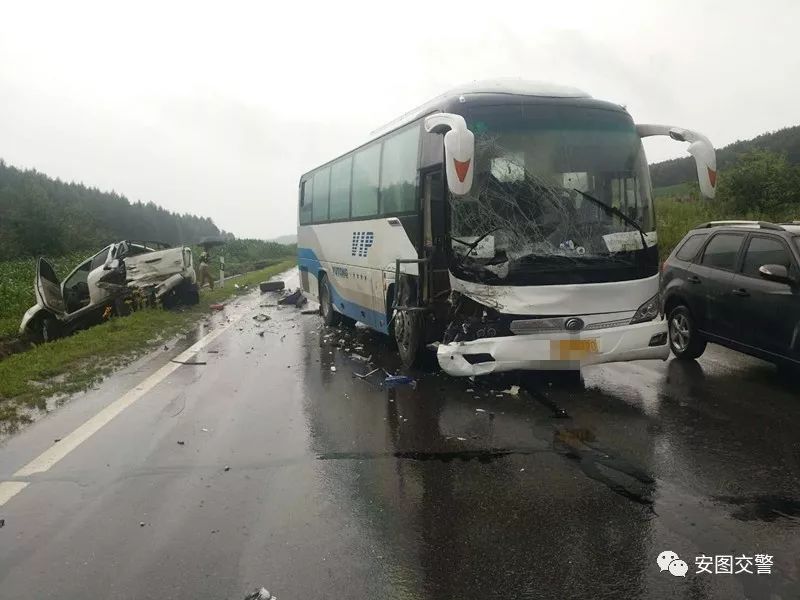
40, 215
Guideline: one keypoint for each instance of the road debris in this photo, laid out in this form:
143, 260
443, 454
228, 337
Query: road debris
271, 286
189, 362
359, 358
310, 311
301, 301
291, 298
261, 333
141, 523
513, 390
392, 381
181, 442
365, 375
260, 594
261, 317
481, 410
204, 429
227, 468
333, 368
216, 306
2, 522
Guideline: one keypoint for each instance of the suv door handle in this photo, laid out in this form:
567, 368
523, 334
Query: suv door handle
741, 292
693, 279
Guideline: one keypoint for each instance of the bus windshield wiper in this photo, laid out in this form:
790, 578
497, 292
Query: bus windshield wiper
615, 211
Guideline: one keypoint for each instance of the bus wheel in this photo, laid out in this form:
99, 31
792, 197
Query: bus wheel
407, 328
329, 316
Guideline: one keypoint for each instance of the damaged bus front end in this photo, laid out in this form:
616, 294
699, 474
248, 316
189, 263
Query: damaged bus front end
552, 247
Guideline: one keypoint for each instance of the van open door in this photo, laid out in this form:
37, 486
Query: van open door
48, 288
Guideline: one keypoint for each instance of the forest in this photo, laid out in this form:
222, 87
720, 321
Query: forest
44, 216
785, 142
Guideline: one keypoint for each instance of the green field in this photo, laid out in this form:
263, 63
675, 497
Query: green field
76, 362
675, 217
679, 190
16, 287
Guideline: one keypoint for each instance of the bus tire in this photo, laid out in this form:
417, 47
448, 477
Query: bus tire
407, 328
330, 317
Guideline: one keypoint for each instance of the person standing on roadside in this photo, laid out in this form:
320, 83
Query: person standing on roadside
205, 270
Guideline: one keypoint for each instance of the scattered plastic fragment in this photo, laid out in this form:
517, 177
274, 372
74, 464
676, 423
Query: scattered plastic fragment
461, 439
141, 523
261, 333
227, 468
480, 410
359, 358
513, 390
261, 317
181, 442
397, 380
204, 429
333, 368
310, 311
216, 306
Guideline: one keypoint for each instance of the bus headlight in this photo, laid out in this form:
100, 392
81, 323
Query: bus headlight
647, 311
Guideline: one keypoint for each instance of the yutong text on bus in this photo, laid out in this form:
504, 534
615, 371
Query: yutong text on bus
508, 225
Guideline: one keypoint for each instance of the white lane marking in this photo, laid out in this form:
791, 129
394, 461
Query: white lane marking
55, 453
9, 489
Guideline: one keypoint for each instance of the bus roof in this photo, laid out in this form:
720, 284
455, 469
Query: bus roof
494, 91
507, 86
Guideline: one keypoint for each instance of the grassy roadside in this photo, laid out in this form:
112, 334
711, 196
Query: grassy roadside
77, 362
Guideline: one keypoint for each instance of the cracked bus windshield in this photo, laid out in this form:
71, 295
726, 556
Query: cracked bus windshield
550, 184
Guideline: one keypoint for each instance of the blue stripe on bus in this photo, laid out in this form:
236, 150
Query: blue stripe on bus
308, 261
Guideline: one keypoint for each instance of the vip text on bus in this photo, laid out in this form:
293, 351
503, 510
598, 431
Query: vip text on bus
509, 225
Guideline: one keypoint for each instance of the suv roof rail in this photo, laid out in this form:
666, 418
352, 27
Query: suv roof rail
761, 224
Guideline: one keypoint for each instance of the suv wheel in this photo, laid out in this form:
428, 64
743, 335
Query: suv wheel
684, 339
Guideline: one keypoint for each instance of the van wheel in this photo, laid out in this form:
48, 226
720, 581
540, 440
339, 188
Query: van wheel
684, 339
49, 329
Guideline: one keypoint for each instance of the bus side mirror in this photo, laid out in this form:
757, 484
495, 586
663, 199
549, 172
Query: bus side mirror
700, 147
459, 150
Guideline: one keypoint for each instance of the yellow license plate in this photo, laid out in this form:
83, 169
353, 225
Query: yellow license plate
572, 349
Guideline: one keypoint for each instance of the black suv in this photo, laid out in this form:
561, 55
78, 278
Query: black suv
735, 283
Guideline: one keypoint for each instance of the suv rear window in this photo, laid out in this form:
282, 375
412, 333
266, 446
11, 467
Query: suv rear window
722, 251
690, 246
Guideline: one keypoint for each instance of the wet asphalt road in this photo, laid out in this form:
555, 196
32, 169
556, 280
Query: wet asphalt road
339, 489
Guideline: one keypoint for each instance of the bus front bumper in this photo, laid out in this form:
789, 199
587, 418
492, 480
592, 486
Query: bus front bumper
555, 351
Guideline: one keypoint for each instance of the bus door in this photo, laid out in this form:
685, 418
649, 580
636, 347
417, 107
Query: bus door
435, 231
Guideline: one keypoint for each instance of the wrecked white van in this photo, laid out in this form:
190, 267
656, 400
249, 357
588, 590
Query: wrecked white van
102, 284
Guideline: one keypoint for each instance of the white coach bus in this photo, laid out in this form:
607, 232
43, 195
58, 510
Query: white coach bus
510, 225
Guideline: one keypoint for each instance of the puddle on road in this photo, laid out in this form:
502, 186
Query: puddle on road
767, 507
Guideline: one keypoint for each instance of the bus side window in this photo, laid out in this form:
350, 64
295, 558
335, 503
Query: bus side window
322, 180
305, 202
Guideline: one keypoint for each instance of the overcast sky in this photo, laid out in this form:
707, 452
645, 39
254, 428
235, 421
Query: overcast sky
217, 109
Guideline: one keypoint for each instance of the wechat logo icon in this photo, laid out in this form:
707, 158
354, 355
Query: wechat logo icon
669, 561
